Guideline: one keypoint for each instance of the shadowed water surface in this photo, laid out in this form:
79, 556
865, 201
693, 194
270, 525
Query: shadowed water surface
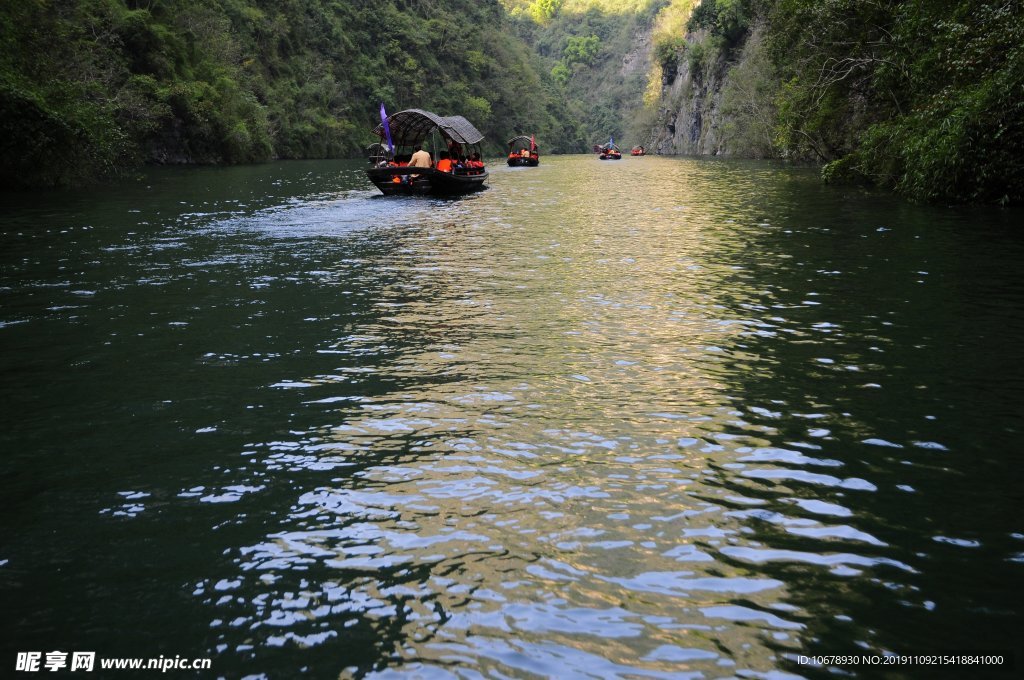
657, 418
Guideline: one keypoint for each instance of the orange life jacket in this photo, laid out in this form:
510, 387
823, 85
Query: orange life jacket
445, 165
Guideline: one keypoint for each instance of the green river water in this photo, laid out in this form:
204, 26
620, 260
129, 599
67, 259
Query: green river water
662, 418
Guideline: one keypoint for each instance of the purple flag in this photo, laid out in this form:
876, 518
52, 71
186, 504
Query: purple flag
387, 128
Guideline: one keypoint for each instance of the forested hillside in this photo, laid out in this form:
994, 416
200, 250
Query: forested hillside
89, 86
599, 51
923, 96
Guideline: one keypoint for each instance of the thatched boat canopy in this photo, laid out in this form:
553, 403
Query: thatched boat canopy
412, 126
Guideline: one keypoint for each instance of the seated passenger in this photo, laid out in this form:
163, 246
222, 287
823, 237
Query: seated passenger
399, 161
445, 164
420, 158
475, 165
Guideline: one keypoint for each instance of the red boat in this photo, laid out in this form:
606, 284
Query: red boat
610, 152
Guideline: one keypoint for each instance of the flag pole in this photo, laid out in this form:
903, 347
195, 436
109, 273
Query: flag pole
387, 129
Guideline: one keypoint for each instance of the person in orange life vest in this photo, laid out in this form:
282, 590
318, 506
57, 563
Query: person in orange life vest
445, 164
474, 164
398, 161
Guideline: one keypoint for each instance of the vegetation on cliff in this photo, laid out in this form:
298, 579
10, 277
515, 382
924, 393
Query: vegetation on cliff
596, 50
90, 86
926, 96
923, 96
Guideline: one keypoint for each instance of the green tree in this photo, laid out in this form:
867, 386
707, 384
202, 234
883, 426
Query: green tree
581, 49
543, 11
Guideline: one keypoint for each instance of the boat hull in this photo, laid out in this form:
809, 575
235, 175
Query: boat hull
523, 162
610, 157
424, 181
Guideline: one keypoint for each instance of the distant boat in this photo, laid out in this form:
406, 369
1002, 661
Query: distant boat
451, 137
523, 152
638, 151
610, 152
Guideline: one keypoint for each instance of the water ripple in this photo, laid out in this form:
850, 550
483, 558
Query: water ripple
663, 419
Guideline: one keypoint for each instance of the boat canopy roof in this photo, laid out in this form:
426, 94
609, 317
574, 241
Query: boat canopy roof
412, 126
522, 139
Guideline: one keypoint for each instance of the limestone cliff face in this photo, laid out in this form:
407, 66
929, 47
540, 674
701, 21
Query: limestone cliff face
637, 61
689, 119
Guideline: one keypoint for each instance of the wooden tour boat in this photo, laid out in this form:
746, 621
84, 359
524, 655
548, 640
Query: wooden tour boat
610, 152
638, 151
451, 137
523, 152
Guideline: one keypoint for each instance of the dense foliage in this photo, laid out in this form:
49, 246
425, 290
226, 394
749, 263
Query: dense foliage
942, 86
88, 86
594, 48
924, 96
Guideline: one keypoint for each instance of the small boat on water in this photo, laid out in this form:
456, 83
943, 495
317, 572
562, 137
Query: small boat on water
446, 148
638, 151
523, 152
609, 152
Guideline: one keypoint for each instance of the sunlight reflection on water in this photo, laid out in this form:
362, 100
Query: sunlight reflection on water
532, 433
660, 418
